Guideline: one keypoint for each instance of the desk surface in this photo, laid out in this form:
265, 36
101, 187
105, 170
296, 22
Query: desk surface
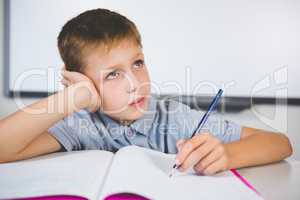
276, 181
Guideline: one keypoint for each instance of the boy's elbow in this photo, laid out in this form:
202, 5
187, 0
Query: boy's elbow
3, 161
290, 148
288, 145
7, 158
6, 155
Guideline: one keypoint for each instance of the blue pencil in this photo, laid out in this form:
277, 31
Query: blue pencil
209, 110
211, 107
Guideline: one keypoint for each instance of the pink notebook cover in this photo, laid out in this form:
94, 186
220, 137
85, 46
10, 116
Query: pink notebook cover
132, 196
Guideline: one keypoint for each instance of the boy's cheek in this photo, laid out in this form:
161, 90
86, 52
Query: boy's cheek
115, 100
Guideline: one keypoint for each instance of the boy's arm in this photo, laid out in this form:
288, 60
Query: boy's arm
23, 134
43, 144
257, 147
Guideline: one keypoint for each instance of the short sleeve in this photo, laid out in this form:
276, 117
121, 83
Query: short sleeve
227, 131
65, 134
188, 120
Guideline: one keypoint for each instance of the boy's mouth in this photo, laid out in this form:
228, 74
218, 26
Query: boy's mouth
138, 102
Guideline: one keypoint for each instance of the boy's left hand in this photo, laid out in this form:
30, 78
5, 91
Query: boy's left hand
204, 152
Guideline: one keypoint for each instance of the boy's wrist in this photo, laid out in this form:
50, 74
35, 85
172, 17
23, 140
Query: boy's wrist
78, 96
230, 157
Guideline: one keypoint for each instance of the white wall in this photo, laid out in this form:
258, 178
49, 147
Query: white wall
280, 118
7, 105
219, 41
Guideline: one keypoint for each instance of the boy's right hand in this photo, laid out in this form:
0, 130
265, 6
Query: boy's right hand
83, 90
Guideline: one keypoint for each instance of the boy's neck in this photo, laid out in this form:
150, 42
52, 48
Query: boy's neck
125, 122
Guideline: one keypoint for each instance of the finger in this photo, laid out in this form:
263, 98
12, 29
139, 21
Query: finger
66, 73
62, 71
215, 166
209, 159
68, 79
189, 146
198, 154
65, 82
180, 143
73, 77
63, 74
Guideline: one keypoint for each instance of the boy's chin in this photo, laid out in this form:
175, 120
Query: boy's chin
136, 113
129, 115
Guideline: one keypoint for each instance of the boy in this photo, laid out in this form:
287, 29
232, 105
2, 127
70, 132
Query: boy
107, 105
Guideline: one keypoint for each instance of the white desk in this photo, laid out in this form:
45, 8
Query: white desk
275, 181
278, 181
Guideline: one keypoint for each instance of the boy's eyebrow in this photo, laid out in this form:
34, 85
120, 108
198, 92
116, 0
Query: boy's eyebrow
115, 66
138, 54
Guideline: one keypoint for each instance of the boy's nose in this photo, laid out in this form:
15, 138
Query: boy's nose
133, 83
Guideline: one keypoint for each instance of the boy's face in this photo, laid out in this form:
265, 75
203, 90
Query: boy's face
122, 79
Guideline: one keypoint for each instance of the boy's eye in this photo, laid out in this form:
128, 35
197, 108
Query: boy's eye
138, 63
112, 75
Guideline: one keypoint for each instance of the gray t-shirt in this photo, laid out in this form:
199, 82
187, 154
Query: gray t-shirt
165, 122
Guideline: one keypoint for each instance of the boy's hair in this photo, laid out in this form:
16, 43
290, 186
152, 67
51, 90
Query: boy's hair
92, 29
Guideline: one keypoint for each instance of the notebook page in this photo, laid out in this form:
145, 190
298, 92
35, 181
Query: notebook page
77, 173
145, 172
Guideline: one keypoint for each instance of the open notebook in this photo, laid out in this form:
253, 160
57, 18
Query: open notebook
98, 174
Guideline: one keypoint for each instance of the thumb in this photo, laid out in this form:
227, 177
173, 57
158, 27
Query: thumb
180, 143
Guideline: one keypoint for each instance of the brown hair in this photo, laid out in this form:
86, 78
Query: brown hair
91, 29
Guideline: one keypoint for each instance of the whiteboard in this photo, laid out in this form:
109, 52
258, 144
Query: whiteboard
248, 48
